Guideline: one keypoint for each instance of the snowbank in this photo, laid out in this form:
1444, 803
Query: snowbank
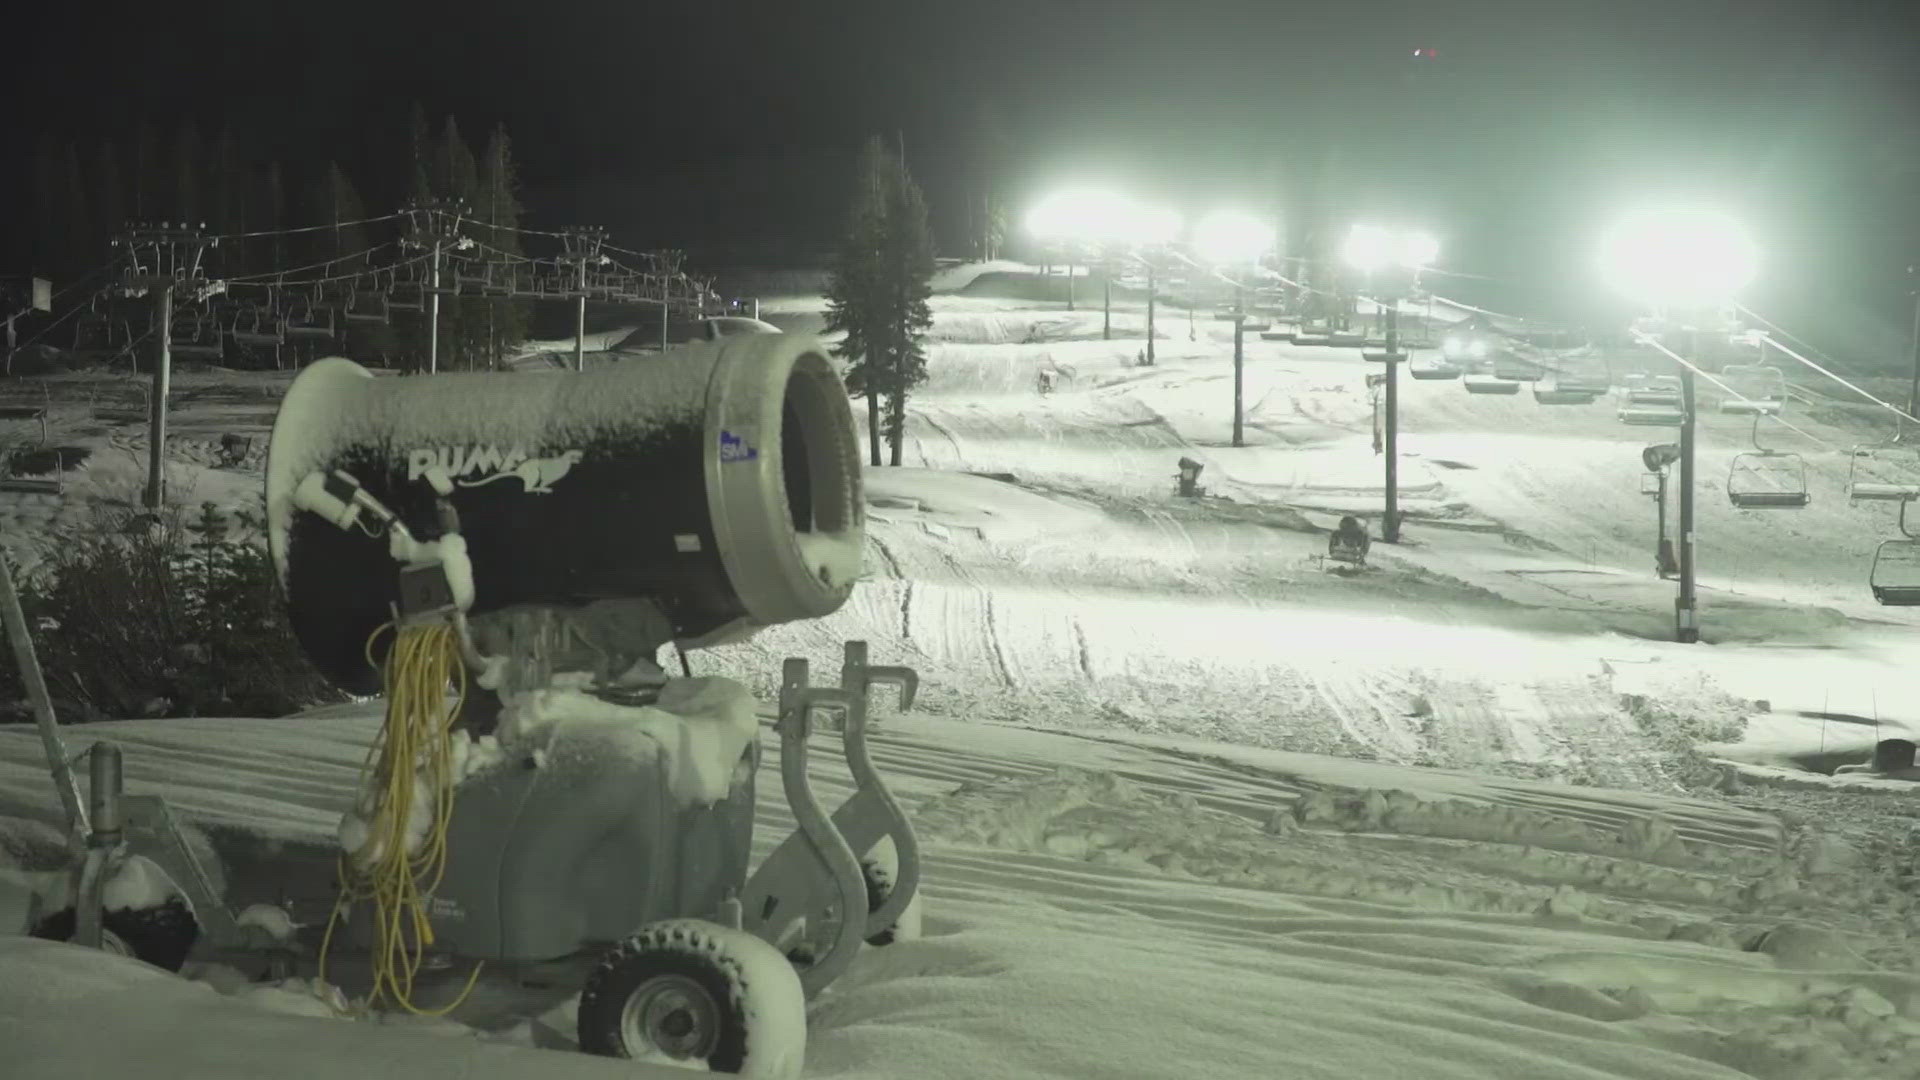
57, 1000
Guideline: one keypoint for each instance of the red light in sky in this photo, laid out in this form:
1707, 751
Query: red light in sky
1431, 54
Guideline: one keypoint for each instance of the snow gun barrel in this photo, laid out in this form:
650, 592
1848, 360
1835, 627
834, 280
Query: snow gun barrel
720, 483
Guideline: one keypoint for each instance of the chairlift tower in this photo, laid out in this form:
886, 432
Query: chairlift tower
163, 260
434, 225
582, 245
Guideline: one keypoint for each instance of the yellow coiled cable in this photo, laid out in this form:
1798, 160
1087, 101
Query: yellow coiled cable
414, 742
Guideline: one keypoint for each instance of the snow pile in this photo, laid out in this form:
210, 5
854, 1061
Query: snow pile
835, 558
57, 1000
697, 728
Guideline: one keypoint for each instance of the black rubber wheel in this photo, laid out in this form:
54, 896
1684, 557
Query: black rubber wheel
161, 936
684, 990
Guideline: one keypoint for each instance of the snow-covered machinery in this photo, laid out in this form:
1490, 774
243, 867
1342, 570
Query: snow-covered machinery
553, 533
503, 555
1348, 544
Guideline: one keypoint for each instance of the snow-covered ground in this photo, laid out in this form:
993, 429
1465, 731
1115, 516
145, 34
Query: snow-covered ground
1193, 805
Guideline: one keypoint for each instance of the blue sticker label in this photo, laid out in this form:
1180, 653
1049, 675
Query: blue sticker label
735, 448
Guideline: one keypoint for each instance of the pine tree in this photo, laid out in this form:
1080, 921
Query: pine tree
185, 175
463, 320
420, 149
226, 188
46, 218
81, 246
909, 270
856, 289
340, 208
498, 205
109, 197
143, 173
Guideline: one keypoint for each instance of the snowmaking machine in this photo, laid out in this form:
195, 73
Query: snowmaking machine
503, 555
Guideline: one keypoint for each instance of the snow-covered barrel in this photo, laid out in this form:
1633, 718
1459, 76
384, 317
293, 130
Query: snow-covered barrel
720, 481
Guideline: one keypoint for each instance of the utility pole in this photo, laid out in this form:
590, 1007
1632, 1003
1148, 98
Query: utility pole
163, 260
1913, 393
1239, 359
435, 225
582, 249
1106, 303
1390, 523
1069, 282
1150, 293
1685, 608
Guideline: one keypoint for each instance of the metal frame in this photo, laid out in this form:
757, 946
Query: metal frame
1657, 390
1434, 371
1480, 383
1640, 415
1895, 595
1558, 395
1751, 399
1859, 490
1795, 498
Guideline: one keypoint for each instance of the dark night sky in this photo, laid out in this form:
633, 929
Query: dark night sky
709, 122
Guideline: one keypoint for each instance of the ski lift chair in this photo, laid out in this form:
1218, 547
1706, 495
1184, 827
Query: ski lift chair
406, 291
1764, 479
1488, 384
1657, 390
473, 276
306, 318
1869, 485
366, 306
1435, 369
1557, 394
1513, 368
257, 326
197, 336
1895, 576
1651, 415
1757, 389
91, 331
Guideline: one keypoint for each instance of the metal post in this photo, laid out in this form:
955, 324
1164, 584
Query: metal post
1106, 304
1390, 523
433, 309
1150, 292
1686, 613
580, 321
157, 408
14, 621
663, 323
1660, 551
1239, 332
1913, 394
1069, 285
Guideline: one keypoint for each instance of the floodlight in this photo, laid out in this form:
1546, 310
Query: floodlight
1082, 214
1678, 257
1231, 237
1369, 248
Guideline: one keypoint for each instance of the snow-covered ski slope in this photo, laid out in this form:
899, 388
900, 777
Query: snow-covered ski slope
1106, 907
1427, 819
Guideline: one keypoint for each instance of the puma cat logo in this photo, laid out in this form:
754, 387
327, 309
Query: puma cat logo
538, 474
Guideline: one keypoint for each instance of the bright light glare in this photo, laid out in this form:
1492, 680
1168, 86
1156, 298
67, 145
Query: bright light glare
1370, 248
1231, 237
1075, 214
1099, 216
1678, 257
